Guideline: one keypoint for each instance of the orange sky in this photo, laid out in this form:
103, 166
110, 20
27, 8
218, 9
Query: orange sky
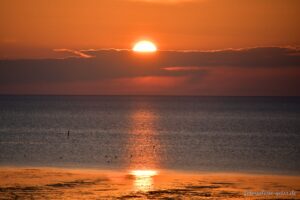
38, 29
31, 28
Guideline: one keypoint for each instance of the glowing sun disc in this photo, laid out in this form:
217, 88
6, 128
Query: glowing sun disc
144, 46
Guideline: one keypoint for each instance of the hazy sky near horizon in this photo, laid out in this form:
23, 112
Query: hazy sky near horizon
240, 47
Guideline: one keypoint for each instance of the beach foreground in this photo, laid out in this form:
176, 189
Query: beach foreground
58, 183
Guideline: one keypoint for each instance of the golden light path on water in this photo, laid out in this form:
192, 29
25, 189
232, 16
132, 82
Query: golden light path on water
143, 179
143, 148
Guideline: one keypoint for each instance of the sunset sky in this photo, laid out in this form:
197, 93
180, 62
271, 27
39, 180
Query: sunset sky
205, 47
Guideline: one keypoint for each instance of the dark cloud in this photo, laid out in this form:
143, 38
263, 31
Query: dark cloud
91, 65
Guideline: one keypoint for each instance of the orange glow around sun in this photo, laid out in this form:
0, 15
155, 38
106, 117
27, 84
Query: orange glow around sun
144, 46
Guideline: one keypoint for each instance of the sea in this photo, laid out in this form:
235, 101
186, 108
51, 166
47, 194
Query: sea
186, 133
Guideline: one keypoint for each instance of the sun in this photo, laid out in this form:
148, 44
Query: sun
144, 46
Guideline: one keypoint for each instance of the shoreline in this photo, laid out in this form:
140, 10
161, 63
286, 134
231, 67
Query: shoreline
28, 182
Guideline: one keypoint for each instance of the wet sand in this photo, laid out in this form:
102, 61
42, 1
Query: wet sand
58, 183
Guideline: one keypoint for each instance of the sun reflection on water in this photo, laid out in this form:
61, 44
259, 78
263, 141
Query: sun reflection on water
143, 147
143, 144
143, 179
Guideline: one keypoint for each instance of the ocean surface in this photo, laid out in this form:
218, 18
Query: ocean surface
236, 134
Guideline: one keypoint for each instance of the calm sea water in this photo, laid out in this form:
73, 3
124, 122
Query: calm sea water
257, 134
